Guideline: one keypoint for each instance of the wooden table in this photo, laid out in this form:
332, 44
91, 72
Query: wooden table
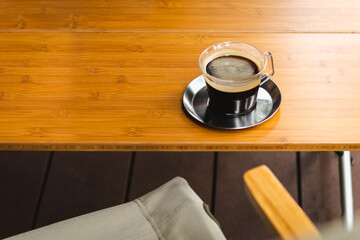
109, 75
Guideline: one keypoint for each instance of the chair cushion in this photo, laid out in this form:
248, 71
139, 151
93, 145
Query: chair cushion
173, 211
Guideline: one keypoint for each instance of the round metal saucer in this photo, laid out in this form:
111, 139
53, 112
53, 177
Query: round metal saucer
196, 99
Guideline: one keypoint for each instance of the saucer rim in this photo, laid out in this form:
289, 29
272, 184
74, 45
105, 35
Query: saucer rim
193, 116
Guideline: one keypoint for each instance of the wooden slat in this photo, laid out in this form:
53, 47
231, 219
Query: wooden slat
160, 15
21, 179
83, 182
356, 179
321, 186
276, 205
152, 169
120, 91
233, 209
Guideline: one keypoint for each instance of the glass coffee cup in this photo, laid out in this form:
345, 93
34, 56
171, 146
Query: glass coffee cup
233, 73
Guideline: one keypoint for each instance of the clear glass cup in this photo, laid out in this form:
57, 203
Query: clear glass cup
235, 96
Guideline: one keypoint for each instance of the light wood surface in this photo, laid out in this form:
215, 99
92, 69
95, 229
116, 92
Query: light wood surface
119, 91
180, 15
109, 75
278, 207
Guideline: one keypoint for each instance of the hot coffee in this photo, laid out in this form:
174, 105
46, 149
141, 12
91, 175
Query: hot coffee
232, 72
231, 67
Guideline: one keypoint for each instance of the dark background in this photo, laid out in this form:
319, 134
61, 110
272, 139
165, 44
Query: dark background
40, 188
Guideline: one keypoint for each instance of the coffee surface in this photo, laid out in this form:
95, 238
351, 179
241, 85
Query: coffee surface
231, 67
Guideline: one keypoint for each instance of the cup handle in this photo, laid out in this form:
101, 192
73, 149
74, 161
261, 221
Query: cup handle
266, 76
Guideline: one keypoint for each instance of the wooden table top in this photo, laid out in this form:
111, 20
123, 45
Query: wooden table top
109, 75
180, 15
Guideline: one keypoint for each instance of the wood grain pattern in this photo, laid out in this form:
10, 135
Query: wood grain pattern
176, 15
152, 169
274, 203
83, 182
118, 91
233, 209
21, 178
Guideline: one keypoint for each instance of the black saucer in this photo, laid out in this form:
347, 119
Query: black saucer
196, 99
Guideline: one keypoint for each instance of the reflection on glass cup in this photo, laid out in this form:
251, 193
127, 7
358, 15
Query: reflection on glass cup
233, 73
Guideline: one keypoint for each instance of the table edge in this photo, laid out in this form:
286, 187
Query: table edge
179, 147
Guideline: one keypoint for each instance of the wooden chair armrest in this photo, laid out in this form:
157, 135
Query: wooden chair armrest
276, 206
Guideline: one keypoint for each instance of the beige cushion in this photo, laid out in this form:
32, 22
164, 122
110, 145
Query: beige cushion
173, 211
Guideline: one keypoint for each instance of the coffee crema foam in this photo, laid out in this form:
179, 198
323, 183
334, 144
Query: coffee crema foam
233, 65
231, 68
